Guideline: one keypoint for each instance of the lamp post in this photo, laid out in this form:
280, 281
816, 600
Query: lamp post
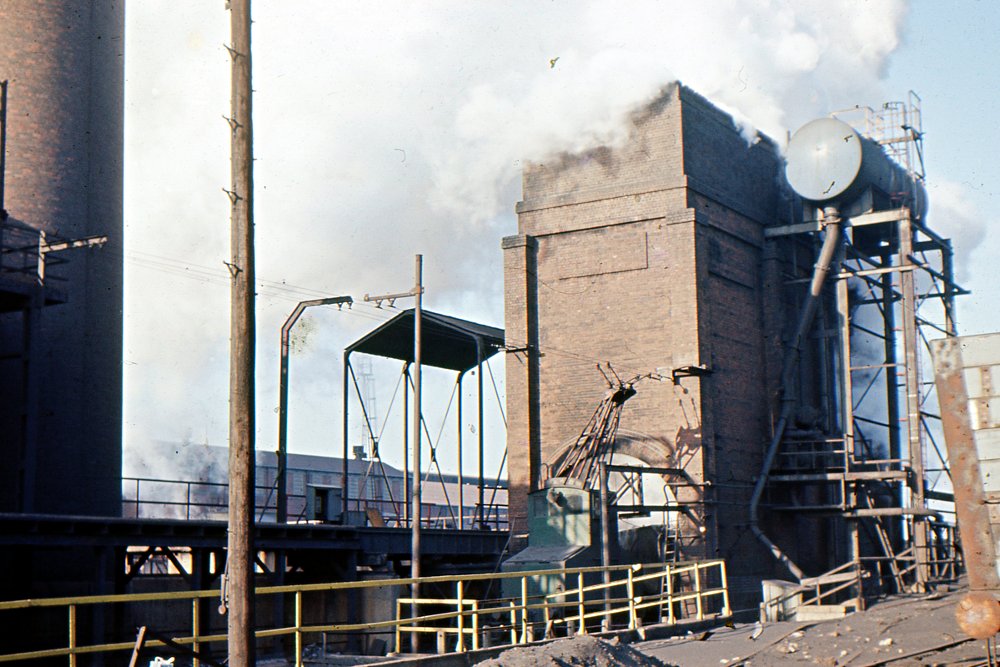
286, 331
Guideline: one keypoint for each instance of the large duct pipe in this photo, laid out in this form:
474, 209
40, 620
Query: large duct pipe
824, 263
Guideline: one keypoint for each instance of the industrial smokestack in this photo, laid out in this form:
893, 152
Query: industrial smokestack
61, 389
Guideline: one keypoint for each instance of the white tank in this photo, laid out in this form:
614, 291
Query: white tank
828, 162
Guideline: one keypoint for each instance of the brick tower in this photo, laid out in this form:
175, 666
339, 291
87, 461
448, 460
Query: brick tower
61, 368
651, 256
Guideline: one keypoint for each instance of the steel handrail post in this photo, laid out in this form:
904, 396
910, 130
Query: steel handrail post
524, 610
475, 624
195, 622
630, 590
725, 589
298, 628
72, 635
513, 622
399, 625
670, 595
547, 615
461, 619
579, 597
697, 590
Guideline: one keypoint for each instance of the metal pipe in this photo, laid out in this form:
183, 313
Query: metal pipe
830, 249
286, 332
406, 443
344, 469
848, 492
461, 481
417, 412
605, 545
948, 269
892, 390
482, 437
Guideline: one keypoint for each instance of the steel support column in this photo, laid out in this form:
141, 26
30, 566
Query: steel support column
346, 434
911, 369
482, 441
848, 489
461, 489
406, 442
893, 416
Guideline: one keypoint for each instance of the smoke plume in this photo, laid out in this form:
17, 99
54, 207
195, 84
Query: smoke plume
390, 129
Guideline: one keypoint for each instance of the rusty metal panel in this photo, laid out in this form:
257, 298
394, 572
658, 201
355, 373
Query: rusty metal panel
967, 375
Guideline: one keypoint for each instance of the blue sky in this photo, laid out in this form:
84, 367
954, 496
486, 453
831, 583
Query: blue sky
950, 55
383, 130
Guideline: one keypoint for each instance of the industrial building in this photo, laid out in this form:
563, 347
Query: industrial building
683, 260
763, 335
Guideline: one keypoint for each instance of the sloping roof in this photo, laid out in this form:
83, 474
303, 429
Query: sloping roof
448, 342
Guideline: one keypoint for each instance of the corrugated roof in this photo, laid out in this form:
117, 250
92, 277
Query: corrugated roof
448, 342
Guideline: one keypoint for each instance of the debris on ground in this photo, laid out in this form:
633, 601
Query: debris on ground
582, 651
903, 630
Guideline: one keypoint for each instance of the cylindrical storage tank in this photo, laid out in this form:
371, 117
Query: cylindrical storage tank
828, 162
64, 60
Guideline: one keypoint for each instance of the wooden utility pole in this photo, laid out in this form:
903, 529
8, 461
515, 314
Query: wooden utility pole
239, 558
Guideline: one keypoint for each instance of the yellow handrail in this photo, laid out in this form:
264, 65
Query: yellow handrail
579, 599
464, 620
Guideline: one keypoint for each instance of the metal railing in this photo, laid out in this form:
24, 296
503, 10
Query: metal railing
144, 497
826, 588
942, 559
698, 585
147, 497
813, 454
20, 250
672, 591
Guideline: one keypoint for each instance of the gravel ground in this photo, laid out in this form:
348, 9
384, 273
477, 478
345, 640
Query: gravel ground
583, 651
912, 630
900, 631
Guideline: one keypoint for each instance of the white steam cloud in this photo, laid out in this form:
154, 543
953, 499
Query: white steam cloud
387, 129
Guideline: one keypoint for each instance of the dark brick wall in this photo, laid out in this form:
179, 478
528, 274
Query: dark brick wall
721, 164
64, 60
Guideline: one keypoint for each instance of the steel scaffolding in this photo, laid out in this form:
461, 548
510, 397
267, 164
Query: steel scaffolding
875, 459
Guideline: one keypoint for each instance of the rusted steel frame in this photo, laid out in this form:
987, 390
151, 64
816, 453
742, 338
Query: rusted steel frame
911, 369
970, 497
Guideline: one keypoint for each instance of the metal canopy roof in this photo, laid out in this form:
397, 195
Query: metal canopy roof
448, 342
